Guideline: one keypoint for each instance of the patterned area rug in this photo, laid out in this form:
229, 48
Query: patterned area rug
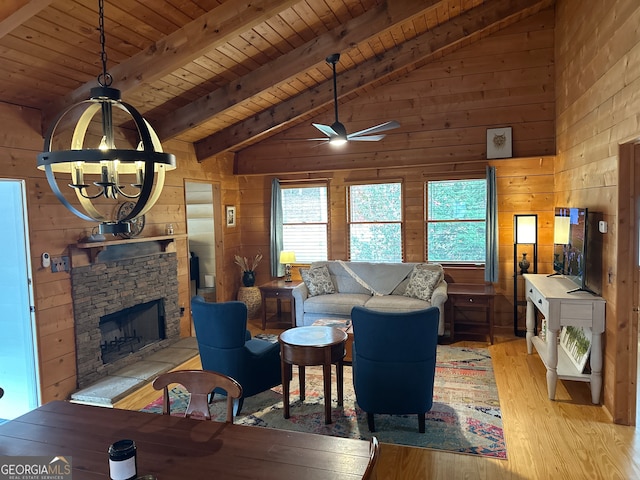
465, 417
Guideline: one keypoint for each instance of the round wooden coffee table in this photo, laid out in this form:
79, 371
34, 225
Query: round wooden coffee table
306, 346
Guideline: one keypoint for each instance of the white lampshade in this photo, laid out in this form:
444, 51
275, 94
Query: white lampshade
525, 229
561, 230
287, 256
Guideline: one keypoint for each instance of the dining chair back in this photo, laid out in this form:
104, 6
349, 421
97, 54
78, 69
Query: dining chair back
199, 384
374, 453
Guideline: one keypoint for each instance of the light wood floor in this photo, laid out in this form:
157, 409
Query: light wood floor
568, 438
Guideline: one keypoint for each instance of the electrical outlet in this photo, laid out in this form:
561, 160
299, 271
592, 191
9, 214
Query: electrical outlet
60, 264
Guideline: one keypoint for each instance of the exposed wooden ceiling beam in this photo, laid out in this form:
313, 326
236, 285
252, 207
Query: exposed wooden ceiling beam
13, 14
472, 23
203, 34
307, 56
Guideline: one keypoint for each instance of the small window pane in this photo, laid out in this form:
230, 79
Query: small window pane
309, 242
456, 241
459, 200
304, 205
376, 203
376, 242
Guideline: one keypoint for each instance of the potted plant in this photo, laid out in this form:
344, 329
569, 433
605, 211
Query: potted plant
248, 268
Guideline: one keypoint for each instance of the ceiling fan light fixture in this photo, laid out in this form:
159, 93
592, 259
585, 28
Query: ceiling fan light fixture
340, 137
337, 133
107, 163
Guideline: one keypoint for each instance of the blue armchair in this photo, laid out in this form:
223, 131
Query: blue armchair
226, 347
394, 362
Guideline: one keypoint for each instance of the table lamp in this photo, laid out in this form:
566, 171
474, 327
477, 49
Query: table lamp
287, 258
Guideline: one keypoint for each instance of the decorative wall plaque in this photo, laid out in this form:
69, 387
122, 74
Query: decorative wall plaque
499, 142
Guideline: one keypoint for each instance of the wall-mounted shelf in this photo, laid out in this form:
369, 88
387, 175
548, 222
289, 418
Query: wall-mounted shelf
93, 249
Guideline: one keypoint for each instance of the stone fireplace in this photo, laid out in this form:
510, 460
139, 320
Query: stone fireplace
123, 288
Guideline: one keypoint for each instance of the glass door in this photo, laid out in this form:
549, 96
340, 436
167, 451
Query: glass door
18, 355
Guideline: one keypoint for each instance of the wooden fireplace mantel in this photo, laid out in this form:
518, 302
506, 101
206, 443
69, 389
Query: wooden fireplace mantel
93, 249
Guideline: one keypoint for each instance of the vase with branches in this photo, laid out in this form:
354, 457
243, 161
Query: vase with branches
248, 267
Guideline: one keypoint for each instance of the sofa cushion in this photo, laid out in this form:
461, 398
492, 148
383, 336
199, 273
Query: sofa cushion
317, 280
336, 304
342, 281
423, 280
395, 303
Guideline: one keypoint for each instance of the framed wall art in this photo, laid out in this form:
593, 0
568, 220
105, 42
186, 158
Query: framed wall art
576, 342
231, 216
499, 143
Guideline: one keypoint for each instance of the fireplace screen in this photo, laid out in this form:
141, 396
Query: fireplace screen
131, 329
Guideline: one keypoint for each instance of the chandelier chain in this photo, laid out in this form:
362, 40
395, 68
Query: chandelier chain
104, 79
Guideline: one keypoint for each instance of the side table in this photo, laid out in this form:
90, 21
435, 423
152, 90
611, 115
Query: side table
306, 346
278, 289
250, 296
344, 325
467, 296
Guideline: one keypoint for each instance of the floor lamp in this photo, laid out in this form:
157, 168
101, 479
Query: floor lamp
525, 232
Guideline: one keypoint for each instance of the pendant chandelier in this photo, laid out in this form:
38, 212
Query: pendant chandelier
104, 163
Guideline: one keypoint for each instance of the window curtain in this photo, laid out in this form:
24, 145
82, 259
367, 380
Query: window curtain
275, 247
491, 264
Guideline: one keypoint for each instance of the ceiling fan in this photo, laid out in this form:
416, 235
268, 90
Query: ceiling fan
336, 132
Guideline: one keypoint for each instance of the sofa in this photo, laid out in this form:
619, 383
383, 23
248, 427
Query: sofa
330, 289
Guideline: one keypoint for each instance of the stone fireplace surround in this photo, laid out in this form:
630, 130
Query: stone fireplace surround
102, 288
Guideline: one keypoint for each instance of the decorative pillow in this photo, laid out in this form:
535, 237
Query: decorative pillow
317, 280
423, 281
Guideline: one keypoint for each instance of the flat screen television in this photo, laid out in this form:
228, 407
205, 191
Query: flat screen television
570, 245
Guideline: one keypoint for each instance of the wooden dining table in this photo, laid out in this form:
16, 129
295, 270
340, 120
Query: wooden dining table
177, 448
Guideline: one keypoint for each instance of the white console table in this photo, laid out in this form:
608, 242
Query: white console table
550, 295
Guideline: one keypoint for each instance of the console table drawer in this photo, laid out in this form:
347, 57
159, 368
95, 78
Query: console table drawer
538, 299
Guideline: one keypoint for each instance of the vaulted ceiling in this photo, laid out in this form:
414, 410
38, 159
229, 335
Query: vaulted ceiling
227, 74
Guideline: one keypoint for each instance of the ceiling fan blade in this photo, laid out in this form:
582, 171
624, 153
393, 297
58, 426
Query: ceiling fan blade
368, 138
326, 129
383, 127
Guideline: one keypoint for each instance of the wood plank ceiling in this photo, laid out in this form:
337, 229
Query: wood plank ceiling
227, 74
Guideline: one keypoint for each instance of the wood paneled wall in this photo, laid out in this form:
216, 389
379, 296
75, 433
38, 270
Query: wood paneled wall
597, 83
444, 109
52, 228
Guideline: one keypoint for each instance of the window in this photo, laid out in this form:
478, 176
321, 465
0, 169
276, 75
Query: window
305, 224
456, 221
375, 222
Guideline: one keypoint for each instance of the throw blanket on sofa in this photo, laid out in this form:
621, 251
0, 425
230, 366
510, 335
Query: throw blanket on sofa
377, 284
